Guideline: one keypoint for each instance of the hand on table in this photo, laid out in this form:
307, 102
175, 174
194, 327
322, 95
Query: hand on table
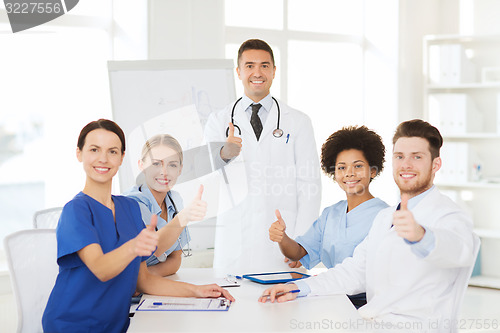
213, 290
270, 293
293, 264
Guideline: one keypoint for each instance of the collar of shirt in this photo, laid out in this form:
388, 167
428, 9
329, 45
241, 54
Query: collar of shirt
415, 200
266, 102
156, 209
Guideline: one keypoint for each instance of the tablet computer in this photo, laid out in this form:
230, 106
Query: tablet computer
277, 277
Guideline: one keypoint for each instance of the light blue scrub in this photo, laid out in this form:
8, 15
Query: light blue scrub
148, 205
79, 301
336, 233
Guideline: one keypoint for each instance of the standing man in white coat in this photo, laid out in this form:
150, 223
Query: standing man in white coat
417, 258
276, 145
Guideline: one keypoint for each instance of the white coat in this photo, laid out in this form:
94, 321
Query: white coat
279, 175
400, 286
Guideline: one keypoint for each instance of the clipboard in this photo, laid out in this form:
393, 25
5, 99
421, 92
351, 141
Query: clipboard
184, 304
277, 277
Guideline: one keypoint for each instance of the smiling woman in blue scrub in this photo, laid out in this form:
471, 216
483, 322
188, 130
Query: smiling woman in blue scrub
102, 245
352, 156
161, 165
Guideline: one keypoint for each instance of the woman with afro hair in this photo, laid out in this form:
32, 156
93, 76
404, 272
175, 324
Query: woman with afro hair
352, 156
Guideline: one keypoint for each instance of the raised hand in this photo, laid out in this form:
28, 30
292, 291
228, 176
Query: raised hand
233, 145
405, 224
147, 240
195, 211
277, 229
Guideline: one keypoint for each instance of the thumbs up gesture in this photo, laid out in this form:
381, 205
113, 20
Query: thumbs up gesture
195, 211
233, 145
145, 243
405, 224
277, 229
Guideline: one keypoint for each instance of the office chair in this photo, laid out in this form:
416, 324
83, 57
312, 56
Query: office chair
462, 281
47, 218
32, 259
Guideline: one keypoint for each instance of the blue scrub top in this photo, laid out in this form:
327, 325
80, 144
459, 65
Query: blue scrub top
80, 302
336, 233
148, 205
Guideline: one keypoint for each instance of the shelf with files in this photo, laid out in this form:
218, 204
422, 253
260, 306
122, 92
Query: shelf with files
462, 83
462, 99
463, 87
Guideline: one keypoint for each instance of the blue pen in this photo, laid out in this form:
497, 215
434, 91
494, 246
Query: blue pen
287, 137
162, 303
283, 293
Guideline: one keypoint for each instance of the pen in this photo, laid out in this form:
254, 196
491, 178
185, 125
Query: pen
287, 137
284, 293
161, 303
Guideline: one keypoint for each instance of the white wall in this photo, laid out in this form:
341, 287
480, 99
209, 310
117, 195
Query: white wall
187, 29
417, 19
485, 17
130, 30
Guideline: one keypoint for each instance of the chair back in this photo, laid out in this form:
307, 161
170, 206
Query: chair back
32, 259
462, 282
47, 218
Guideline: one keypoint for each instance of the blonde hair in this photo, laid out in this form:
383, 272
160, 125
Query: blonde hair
161, 140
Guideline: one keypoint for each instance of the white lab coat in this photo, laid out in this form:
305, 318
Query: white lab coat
400, 286
279, 175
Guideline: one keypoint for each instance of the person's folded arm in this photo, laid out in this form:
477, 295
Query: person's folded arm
170, 266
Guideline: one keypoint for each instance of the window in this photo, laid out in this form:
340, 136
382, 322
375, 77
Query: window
54, 81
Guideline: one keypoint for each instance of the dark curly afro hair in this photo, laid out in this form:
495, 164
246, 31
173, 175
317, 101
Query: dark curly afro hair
353, 137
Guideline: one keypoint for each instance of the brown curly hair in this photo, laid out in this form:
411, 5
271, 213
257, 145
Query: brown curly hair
353, 137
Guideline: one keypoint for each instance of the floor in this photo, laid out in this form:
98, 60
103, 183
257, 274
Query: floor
480, 311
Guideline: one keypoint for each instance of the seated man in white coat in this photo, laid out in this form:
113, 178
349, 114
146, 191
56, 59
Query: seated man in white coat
417, 257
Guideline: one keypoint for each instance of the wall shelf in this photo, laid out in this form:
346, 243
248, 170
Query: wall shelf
485, 282
464, 104
471, 185
487, 233
463, 86
476, 136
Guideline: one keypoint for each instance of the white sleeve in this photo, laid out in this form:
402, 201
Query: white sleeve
308, 178
215, 137
454, 241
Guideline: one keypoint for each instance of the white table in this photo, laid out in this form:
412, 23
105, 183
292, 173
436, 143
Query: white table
321, 313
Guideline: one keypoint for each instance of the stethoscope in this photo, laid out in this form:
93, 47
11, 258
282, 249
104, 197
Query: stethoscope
277, 133
188, 254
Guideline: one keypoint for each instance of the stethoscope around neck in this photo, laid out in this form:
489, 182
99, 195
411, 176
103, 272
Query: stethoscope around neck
277, 133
